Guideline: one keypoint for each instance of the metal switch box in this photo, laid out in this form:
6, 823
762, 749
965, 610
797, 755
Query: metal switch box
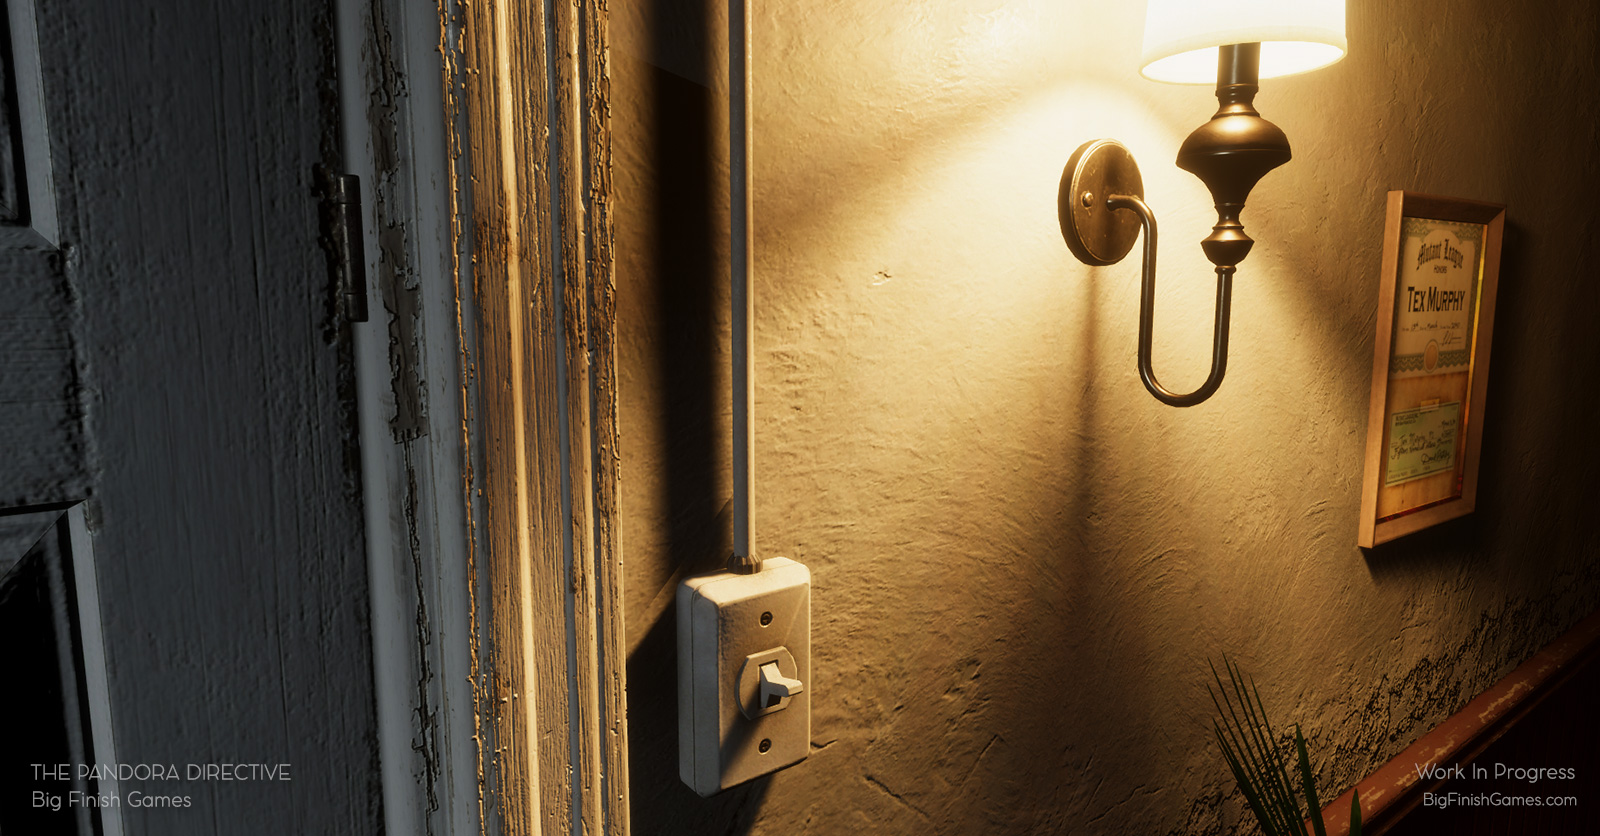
744, 674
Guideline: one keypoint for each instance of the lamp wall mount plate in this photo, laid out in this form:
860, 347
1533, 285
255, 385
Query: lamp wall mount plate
1094, 232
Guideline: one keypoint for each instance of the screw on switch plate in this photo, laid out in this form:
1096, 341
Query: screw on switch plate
744, 674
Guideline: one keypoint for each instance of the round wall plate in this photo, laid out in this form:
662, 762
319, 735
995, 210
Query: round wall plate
1095, 233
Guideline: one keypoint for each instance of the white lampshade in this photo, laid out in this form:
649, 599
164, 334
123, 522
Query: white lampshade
1181, 36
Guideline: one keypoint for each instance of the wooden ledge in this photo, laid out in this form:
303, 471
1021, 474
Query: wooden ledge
1394, 790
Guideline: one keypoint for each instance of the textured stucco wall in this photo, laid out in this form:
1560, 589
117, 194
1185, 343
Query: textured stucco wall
1021, 561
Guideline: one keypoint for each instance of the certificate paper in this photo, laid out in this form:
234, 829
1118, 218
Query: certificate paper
1422, 442
1435, 322
1436, 298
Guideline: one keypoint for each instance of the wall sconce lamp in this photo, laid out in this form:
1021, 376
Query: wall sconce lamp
1101, 202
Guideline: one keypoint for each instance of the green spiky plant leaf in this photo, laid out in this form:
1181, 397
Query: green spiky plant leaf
1255, 757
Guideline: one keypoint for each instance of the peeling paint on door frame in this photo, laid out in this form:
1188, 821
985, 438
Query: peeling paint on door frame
492, 508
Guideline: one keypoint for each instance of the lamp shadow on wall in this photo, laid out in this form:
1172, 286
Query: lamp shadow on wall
685, 280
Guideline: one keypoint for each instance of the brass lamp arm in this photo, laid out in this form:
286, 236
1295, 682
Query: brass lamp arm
1229, 154
1147, 312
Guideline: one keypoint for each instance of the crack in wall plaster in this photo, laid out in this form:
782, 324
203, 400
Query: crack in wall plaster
976, 762
897, 797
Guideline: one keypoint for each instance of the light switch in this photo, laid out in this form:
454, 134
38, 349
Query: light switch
744, 674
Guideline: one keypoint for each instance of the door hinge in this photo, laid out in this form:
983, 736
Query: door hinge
343, 239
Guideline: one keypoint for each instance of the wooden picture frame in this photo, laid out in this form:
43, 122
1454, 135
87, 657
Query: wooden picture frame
1430, 365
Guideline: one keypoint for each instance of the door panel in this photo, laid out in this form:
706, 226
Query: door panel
215, 437
41, 430
47, 683
41, 420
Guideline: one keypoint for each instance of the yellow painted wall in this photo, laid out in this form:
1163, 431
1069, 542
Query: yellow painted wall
1021, 560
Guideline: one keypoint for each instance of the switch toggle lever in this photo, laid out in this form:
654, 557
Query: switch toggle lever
776, 689
768, 681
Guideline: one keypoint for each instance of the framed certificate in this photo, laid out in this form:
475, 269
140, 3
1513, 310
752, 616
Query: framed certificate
1430, 366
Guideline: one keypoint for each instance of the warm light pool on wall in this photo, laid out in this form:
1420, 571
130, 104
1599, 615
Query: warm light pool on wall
1101, 203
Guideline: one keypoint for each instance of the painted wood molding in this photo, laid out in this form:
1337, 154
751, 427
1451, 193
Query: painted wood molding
550, 655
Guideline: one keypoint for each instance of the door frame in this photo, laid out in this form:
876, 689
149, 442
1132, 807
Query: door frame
487, 391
